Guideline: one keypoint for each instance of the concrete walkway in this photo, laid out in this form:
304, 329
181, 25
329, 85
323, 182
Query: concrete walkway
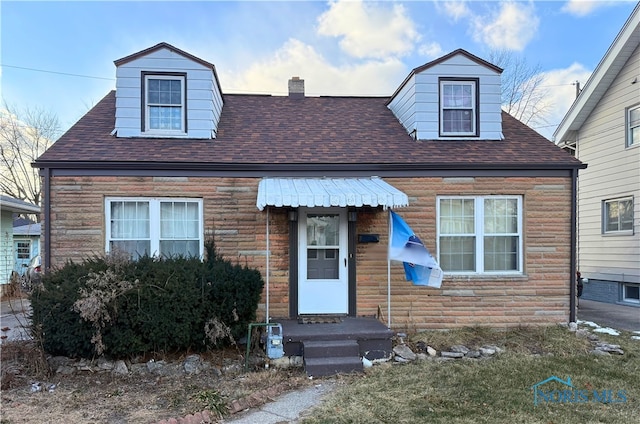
287, 408
14, 319
610, 315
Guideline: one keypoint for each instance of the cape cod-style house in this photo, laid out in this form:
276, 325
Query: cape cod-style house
168, 159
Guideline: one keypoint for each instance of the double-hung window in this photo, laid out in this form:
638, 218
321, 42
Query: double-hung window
150, 226
458, 107
633, 126
480, 234
617, 215
164, 103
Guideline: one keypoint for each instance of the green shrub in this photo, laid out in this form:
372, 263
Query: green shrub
108, 305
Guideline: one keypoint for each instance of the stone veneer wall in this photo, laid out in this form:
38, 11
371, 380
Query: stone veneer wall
540, 295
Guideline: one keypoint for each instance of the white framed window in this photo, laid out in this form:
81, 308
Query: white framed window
458, 107
165, 103
633, 126
480, 234
617, 215
631, 293
154, 226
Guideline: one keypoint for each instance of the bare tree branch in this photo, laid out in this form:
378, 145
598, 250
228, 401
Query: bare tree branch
523, 93
24, 136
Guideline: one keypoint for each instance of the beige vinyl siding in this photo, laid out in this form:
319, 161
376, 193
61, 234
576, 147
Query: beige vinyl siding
203, 96
613, 172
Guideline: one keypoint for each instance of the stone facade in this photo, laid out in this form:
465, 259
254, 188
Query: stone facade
539, 295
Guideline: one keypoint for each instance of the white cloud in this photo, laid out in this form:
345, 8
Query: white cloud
431, 50
584, 7
511, 27
295, 58
369, 30
561, 93
454, 9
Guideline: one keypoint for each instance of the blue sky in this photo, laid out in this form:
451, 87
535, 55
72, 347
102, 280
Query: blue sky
59, 55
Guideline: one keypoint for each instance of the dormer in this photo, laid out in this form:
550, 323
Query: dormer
164, 92
457, 96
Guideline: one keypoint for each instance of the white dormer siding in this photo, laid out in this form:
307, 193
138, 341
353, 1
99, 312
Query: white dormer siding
202, 97
417, 103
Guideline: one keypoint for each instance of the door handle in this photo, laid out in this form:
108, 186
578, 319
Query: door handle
345, 262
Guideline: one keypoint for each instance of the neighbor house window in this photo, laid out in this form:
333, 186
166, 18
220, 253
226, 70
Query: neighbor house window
158, 227
458, 107
618, 215
631, 293
633, 126
164, 103
480, 234
23, 249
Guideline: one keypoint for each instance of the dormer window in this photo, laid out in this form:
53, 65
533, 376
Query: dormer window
164, 103
458, 107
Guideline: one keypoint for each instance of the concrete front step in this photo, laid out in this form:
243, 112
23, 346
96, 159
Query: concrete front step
318, 367
331, 348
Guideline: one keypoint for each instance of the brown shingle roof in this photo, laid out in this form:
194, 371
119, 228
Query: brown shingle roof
257, 129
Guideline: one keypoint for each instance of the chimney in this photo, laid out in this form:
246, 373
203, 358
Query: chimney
296, 88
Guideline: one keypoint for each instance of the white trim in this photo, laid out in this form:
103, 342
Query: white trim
154, 220
147, 105
323, 290
624, 294
629, 128
472, 109
605, 216
479, 234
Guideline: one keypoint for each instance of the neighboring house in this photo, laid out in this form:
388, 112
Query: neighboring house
603, 129
26, 245
8, 207
168, 160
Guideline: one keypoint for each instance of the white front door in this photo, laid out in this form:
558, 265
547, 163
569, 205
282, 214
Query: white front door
322, 267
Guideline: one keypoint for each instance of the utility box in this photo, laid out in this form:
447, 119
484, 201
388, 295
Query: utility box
275, 348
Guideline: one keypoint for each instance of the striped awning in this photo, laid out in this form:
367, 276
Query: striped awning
327, 192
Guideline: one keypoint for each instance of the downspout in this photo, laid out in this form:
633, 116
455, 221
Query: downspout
46, 258
574, 243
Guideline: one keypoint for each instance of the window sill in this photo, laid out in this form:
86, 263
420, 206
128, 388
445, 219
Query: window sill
164, 134
618, 233
486, 277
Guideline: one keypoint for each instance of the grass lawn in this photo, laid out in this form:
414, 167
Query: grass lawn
499, 389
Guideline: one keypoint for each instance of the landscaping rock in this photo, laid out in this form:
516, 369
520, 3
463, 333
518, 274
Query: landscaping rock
422, 356
486, 351
65, 370
105, 365
460, 349
120, 368
472, 354
404, 352
582, 332
431, 351
453, 355
192, 364
610, 348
